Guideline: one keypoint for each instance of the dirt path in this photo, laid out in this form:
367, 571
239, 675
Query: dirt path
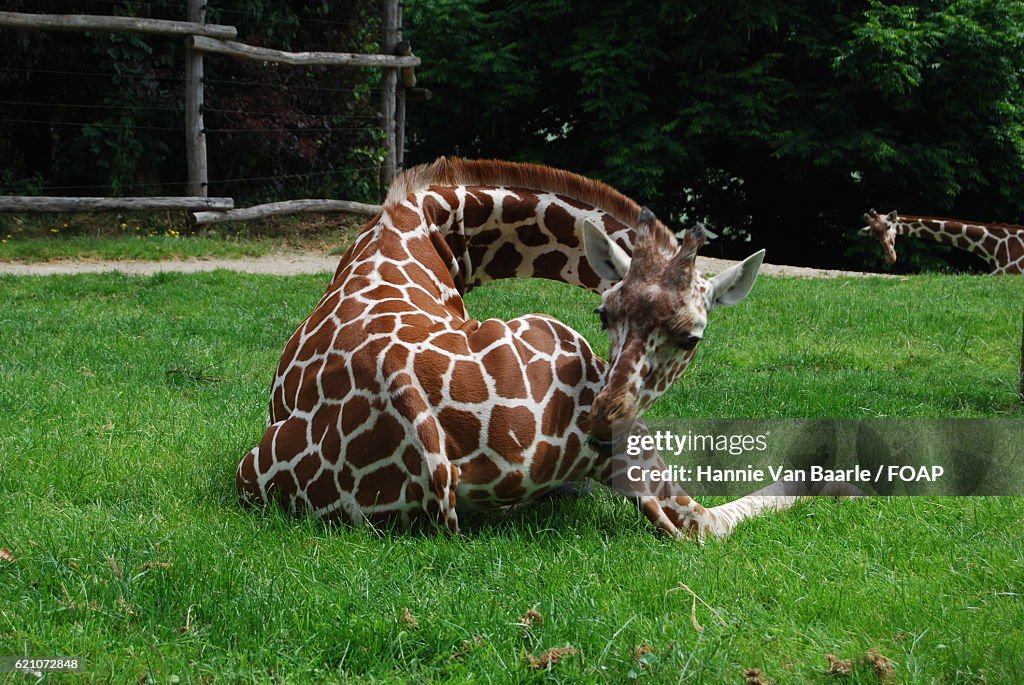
292, 263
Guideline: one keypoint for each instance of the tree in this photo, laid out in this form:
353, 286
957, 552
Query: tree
779, 123
97, 114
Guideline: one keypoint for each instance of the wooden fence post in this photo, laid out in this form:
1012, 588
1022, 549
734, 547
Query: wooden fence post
399, 94
200, 37
195, 134
392, 34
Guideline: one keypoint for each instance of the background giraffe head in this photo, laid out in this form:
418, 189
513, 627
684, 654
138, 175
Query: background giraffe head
881, 228
655, 313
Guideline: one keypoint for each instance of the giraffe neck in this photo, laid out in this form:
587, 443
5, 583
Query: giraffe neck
484, 233
1001, 246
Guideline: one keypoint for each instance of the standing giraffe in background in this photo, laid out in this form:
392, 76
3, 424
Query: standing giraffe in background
1001, 245
391, 404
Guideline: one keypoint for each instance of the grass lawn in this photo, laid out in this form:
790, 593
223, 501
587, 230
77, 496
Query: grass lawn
126, 403
162, 236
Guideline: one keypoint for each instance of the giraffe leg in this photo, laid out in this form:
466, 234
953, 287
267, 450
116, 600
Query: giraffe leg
284, 468
438, 497
268, 471
429, 494
673, 512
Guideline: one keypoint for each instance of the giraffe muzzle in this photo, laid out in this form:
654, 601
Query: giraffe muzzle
606, 412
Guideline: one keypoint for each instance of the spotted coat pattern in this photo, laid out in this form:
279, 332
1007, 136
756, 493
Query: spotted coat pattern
1001, 245
392, 404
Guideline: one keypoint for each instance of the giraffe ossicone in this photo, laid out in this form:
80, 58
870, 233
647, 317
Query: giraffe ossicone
391, 404
1001, 245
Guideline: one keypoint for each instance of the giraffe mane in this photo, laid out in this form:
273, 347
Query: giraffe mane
491, 172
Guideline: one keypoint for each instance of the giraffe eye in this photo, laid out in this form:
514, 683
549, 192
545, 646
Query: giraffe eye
603, 313
688, 342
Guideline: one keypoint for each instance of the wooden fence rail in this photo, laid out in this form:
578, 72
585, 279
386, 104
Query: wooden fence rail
106, 24
36, 203
286, 207
336, 59
202, 38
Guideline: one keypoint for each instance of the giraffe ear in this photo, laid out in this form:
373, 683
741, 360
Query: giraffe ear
733, 284
892, 216
866, 230
607, 259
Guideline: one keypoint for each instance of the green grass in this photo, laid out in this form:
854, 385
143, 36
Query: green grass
125, 404
162, 236
149, 248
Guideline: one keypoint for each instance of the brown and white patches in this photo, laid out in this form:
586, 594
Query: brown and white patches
403, 217
511, 431
560, 223
519, 210
467, 384
429, 436
546, 458
437, 210
504, 263
504, 368
383, 435
477, 208
449, 173
551, 265
408, 399
380, 486
538, 336
355, 413
480, 470
430, 367
324, 490
570, 370
995, 243
539, 377
557, 414
510, 489
462, 431
388, 389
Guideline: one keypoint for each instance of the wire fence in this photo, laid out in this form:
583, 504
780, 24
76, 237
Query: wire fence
260, 118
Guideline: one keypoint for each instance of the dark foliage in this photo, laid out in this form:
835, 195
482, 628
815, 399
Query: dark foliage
778, 123
99, 114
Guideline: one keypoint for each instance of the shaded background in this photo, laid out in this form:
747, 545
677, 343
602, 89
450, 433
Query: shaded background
778, 124
103, 113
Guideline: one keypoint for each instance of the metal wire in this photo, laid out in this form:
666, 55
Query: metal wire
87, 123
313, 174
156, 108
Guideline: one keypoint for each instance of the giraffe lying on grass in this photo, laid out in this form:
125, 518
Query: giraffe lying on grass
391, 404
1001, 245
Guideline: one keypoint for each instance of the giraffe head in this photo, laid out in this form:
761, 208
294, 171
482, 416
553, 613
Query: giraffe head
655, 313
881, 228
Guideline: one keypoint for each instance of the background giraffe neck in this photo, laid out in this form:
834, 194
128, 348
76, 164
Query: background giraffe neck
491, 233
969, 237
